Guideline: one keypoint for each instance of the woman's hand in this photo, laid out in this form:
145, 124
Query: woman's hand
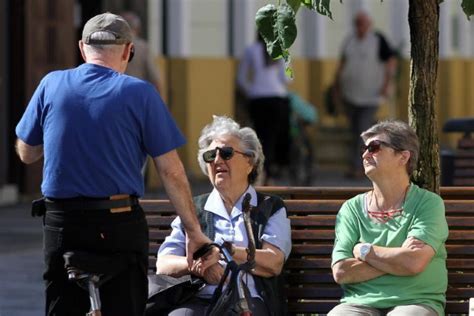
211, 274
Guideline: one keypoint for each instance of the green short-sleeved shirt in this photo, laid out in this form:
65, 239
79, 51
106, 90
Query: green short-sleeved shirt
423, 217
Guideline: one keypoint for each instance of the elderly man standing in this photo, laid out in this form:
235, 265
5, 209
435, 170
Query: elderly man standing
362, 81
95, 127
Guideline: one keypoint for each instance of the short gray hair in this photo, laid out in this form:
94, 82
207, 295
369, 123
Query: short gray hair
102, 49
225, 126
400, 137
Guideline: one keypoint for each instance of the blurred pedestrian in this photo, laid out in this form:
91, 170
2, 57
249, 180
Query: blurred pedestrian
143, 65
264, 83
362, 81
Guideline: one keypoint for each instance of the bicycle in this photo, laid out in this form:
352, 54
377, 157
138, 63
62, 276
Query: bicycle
91, 270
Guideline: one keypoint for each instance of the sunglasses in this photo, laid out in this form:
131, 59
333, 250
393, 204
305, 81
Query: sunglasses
225, 153
374, 146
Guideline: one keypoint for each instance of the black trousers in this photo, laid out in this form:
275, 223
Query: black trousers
271, 118
100, 232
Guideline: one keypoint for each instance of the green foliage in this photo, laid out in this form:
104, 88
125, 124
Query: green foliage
468, 7
294, 4
320, 6
277, 26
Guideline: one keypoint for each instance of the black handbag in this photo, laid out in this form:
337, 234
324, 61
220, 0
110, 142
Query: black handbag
165, 293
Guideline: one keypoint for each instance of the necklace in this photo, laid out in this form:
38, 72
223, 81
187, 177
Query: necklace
384, 216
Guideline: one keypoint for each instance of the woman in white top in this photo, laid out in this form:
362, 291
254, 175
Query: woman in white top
264, 83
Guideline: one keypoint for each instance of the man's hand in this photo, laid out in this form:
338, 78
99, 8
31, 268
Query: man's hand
194, 241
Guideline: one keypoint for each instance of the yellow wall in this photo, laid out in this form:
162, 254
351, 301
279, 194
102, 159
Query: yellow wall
197, 88
454, 95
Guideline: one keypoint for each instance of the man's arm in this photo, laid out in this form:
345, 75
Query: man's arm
389, 71
176, 184
28, 154
354, 271
409, 259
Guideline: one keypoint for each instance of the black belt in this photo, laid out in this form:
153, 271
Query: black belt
114, 204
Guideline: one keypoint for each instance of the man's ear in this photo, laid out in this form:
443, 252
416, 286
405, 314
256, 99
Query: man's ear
81, 48
127, 52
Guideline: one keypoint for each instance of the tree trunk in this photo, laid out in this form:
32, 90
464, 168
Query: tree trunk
423, 16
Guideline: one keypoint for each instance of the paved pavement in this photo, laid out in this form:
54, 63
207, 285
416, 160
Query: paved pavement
21, 263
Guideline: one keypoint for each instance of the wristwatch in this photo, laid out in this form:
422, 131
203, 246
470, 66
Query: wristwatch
364, 250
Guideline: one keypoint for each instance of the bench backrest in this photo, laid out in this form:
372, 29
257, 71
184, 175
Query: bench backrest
311, 287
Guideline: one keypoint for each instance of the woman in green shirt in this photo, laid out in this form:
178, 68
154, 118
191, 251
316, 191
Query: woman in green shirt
389, 253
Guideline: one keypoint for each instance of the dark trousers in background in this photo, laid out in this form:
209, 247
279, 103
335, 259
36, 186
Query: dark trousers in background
101, 232
361, 118
271, 119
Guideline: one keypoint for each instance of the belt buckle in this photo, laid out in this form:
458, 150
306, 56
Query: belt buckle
120, 209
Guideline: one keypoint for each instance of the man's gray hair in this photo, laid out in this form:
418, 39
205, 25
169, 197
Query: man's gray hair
102, 49
249, 142
401, 137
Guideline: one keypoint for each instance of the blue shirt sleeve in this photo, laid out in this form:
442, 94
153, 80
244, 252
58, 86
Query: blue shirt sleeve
278, 232
30, 127
160, 132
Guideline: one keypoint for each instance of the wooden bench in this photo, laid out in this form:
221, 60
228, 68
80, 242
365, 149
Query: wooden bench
311, 288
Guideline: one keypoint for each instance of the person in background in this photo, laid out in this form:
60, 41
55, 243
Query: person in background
143, 65
264, 83
389, 251
362, 81
95, 126
232, 158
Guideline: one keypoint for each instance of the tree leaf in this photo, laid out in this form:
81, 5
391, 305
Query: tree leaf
266, 20
286, 25
278, 28
294, 4
321, 6
468, 7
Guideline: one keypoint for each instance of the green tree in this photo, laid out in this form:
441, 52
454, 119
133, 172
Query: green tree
277, 25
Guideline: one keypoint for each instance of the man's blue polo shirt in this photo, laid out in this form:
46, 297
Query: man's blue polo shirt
97, 126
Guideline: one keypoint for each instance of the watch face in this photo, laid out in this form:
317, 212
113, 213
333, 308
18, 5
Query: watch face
364, 250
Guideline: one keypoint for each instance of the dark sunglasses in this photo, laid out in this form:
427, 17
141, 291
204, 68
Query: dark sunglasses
374, 146
225, 153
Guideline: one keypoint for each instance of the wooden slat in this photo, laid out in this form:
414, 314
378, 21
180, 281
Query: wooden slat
161, 221
307, 221
461, 234
311, 249
311, 308
331, 292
